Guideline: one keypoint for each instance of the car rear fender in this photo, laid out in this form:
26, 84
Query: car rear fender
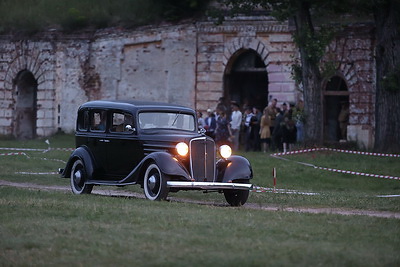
234, 168
83, 154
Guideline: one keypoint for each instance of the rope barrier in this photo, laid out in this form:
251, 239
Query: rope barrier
336, 150
36, 149
259, 189
278, 156
14, 154
37, 173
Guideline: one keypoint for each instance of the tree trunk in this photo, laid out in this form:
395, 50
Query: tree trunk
312, 104
387, 116
311, 79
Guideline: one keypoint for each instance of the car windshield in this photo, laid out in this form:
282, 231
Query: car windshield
166, 120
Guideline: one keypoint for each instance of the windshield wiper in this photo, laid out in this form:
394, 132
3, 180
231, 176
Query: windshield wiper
176, 117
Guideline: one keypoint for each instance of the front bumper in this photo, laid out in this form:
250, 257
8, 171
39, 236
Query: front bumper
208, 185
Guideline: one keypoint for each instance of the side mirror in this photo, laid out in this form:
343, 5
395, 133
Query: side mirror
129, 128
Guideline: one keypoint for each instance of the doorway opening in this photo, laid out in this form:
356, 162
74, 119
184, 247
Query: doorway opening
246, 80
26, 105
336, 110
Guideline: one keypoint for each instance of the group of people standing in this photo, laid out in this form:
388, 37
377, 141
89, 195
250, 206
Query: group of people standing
275, 128
222, 129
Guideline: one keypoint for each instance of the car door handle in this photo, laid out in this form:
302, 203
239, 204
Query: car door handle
104, 140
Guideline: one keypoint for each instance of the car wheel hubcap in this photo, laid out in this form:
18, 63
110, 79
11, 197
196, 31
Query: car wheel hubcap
152, 182
78, 177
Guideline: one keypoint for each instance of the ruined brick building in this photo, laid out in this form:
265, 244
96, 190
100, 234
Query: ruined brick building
45, 78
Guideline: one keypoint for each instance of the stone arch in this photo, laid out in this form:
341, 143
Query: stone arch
26, 56
241, 43
245, 76
336, 108
26, 76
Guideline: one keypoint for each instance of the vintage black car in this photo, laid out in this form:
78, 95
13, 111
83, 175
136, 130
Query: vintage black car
156, 145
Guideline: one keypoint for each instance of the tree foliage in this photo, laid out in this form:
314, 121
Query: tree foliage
31, 16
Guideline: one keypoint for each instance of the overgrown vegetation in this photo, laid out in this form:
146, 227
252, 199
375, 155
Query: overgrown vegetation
31, 16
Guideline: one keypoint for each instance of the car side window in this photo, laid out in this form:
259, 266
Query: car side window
83, 120
98, 121
122, 123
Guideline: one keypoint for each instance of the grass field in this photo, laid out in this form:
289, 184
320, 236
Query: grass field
42, 227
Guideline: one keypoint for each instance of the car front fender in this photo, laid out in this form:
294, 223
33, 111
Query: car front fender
234, 168
83, 154
165, 161
168, 164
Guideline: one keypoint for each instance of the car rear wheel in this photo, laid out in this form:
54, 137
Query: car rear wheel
78, 179
155, 183
236, 197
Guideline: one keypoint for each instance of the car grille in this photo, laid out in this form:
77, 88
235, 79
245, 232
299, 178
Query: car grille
202, 159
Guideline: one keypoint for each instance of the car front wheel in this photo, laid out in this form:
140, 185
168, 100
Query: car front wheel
78, 179
155, 183
236, 197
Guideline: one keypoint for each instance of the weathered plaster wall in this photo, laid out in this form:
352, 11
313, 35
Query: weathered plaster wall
70, 61
159, 66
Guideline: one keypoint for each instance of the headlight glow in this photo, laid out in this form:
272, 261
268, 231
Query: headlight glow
225, 151
182, 149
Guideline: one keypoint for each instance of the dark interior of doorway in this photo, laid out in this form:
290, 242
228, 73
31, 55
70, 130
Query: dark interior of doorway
336, 97
333, 106
249, 89
25, 109
247, 80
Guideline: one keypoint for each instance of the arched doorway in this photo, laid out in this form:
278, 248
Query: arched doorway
246, 79
336, 101
25, 107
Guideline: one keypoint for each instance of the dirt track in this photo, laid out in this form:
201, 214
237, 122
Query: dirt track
106, 192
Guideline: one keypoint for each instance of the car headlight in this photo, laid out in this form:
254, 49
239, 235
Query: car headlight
225, 151
182, 149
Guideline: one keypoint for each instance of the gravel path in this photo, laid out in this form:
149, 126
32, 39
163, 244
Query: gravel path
120, 193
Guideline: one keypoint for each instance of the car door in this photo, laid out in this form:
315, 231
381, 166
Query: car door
96, 139
123, 149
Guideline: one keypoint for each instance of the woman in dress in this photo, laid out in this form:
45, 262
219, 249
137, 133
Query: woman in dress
265, 132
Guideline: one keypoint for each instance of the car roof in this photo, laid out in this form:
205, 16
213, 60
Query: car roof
133, 105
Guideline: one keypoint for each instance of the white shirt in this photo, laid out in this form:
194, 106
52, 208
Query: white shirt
248, 119
201, 122
236, 120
